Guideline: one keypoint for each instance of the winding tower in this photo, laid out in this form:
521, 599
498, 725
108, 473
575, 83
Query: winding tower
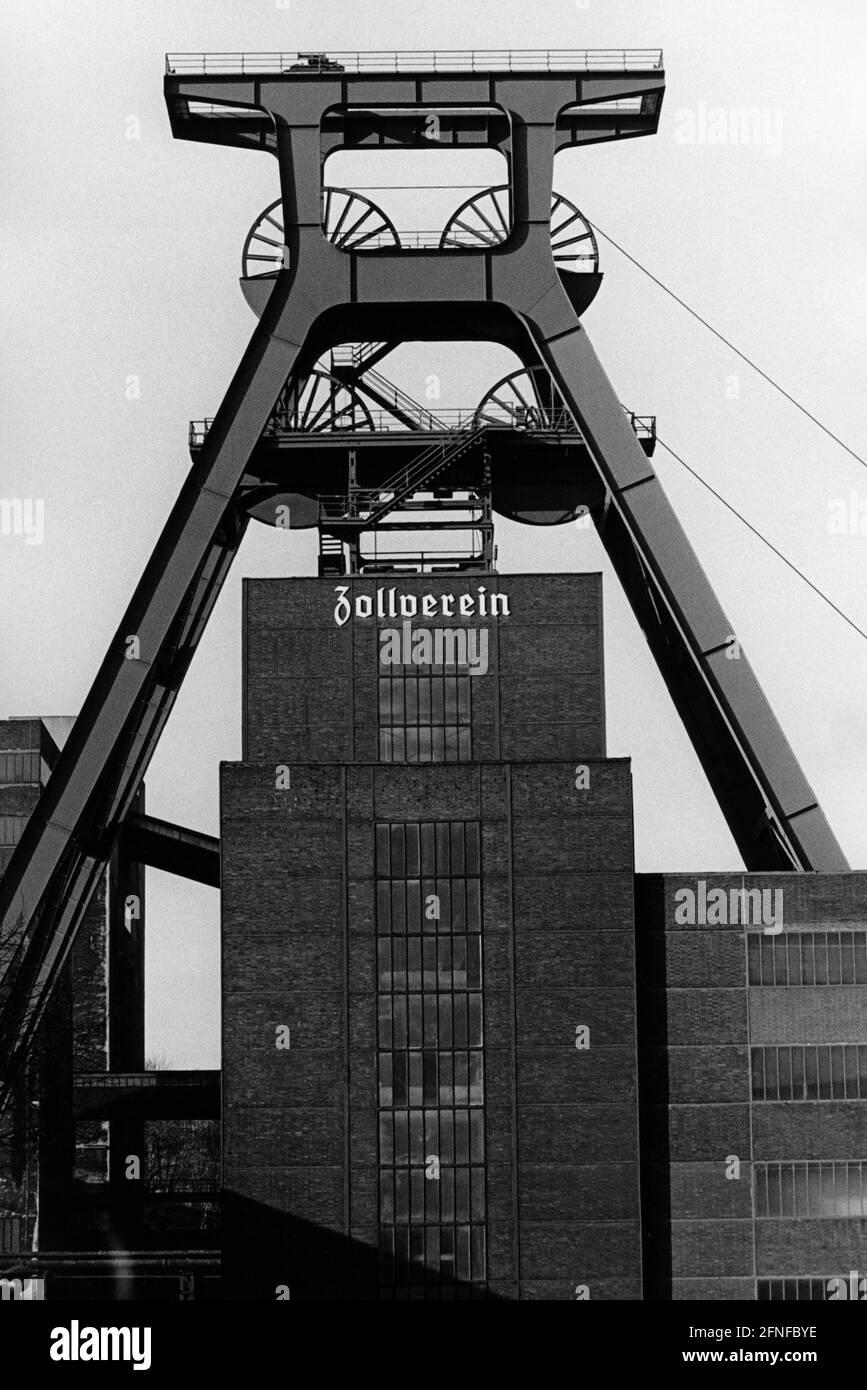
403, 496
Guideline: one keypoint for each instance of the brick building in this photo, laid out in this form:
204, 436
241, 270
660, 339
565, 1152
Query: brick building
421, 1106
429, 1043
753, 1076
467, 1052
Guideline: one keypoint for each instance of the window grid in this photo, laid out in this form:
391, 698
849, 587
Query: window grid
808, 958
428, 849
803, 1288
430, 1060
825, 1071
431, 963
420, 1021
425, 718
21, 768
11, 829
455, 1252
819, 1189
430, 1077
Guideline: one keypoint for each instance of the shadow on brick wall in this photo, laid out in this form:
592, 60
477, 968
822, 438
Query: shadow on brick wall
267, 1253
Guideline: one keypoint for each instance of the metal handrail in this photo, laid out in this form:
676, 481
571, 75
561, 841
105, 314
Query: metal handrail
143, 1080
430, 461
430, 239
410, 408
467, 552
644, 425
421, 60
453, 422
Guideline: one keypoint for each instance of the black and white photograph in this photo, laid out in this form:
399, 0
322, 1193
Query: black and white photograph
433, 645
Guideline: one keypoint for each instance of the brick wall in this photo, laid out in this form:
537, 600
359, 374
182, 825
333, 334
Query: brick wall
299, 939
310, 687
699, 1018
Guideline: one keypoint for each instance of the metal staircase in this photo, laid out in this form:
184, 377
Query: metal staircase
344, 517
354, 366
390, 397
422, 471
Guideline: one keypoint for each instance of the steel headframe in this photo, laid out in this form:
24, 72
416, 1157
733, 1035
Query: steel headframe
510, 293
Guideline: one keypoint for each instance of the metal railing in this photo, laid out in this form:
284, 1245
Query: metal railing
429, 239
427, 465
386, 553
644, 425
355, 354
337, 506
422, 60
143, 1080
558, 421
383, 422
424, 239
409, 409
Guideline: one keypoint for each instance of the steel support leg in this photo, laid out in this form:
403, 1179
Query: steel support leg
69, 837
767, 801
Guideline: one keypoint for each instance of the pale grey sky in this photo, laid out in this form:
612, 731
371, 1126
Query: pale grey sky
121, 257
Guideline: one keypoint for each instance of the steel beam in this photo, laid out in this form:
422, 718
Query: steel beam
69, 837
160, 1095
767, 801
172, 848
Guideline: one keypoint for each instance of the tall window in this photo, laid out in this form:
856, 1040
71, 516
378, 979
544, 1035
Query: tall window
430, 1060
425, 716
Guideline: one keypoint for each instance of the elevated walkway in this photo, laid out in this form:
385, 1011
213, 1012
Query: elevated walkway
148, 1095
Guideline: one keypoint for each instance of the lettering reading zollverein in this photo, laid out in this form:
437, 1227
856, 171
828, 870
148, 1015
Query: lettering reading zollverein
387, 603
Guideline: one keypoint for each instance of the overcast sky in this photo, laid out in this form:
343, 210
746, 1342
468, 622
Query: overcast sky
120, 259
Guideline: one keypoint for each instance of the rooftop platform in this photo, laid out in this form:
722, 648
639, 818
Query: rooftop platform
382, 429
590, 94
420, 61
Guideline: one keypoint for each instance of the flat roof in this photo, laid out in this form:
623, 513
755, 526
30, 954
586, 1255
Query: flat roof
420, 61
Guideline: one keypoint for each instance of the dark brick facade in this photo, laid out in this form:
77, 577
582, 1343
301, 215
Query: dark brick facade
300, 934
700, 1019
563, 1127
310, 687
